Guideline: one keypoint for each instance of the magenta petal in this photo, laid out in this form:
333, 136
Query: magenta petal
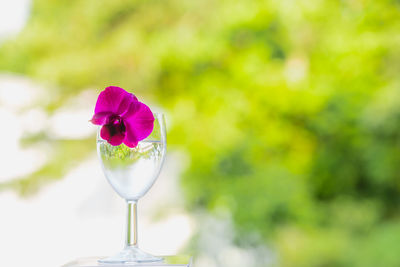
100, 118
126, 103
130, 144
113, 99
115, 139
139, 125
133, 108
130, 140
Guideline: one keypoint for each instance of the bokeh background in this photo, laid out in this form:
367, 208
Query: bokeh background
283, 129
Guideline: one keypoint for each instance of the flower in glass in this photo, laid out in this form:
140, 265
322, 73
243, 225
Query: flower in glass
123, 118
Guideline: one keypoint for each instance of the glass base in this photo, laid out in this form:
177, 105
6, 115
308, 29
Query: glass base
168, 261
130, 255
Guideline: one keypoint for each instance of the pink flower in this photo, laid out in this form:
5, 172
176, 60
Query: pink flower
123, 118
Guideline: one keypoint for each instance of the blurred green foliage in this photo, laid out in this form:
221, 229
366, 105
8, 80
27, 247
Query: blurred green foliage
289, 110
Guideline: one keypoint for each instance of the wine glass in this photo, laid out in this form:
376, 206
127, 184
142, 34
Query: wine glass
131, 172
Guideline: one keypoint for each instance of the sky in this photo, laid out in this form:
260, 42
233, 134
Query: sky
13, 16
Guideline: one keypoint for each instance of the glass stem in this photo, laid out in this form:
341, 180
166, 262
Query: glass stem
131, 225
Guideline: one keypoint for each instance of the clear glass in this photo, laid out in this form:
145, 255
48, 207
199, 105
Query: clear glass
131, 172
